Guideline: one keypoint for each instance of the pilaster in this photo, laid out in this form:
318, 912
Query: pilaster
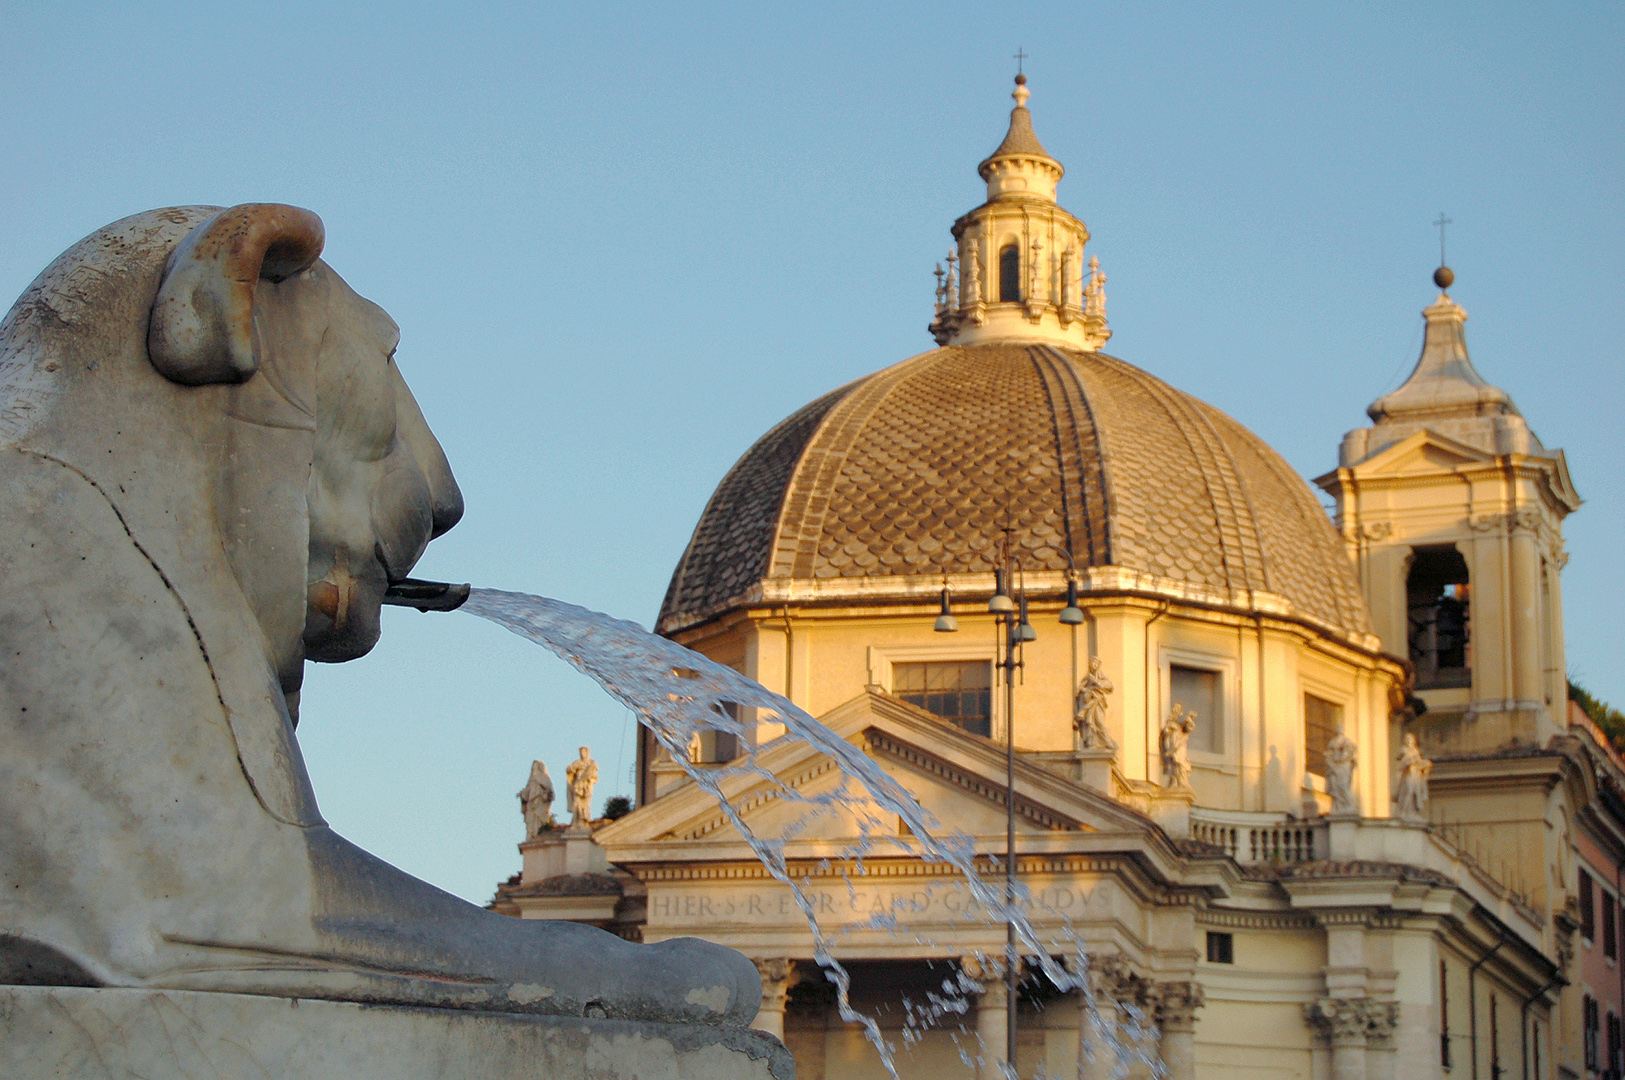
1122, 647
991, 1016
1175, 1012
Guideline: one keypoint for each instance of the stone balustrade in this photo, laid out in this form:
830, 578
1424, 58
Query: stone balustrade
1260, 838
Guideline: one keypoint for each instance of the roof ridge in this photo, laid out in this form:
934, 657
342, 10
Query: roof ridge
1057, 363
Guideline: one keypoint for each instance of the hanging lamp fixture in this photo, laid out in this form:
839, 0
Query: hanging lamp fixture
1072, 614
946, 623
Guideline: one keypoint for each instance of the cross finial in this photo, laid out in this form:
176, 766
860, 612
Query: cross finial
1440, 224
1020, 58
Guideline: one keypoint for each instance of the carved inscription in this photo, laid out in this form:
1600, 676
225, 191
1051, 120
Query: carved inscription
838, 905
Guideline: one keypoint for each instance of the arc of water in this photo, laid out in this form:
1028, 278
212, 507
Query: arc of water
677, 692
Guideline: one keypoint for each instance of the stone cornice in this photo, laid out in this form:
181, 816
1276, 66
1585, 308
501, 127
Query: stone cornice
1549, 475
1515, 767
1256, 920
979, 786
917, 595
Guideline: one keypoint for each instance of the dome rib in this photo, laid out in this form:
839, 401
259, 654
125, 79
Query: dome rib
1088, 397
1064, 389
1294, 513
1243, 561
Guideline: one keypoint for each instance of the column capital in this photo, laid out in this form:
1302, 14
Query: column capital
778, 975
1110, 976
988, 973
1382, 1017
1352, 1022
1175, 1004
776, 969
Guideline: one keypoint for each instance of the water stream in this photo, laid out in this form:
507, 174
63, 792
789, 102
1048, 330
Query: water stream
678, 693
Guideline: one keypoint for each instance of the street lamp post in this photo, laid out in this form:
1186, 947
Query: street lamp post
1014, 631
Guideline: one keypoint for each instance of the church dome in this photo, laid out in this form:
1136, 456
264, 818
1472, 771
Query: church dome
883, 491
877, 490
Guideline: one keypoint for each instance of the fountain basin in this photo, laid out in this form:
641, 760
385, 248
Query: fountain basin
73, 1032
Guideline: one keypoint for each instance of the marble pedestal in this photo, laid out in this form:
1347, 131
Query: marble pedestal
124, 1034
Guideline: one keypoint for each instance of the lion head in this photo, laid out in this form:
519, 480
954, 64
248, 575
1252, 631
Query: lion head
319, 477
246, 301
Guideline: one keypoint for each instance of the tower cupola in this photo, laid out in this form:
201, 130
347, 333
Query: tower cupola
1017, 271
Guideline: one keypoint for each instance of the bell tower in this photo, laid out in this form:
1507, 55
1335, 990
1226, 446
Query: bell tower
1452, 511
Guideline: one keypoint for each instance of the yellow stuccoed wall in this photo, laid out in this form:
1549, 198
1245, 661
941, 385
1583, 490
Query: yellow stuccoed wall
823, 657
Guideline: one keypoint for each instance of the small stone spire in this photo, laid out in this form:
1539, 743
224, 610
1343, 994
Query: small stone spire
1444, 380
1444, 393
1021, 165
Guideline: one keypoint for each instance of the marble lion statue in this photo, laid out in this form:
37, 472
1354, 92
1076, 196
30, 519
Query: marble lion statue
210, 472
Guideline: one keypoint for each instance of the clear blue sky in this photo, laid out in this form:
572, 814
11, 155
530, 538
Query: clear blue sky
622, 242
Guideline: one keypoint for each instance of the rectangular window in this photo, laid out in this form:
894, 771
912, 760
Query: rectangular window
1221, 948
1495, 1042
1614, 1062
959, 691
1588, 1024
1444, 1015
1321, 720
1198, 691
1610, 943
710, 744
1588, 910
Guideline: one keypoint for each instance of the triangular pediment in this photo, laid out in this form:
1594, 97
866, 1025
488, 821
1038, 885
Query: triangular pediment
958, 778
1425, 451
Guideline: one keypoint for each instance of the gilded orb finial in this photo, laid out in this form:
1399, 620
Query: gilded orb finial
1443, 276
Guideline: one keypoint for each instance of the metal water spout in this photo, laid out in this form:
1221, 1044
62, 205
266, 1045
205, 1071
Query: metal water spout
426, 595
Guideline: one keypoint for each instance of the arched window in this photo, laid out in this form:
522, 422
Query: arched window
1440, 618
1010, 274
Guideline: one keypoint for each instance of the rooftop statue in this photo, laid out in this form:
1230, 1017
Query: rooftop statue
536, 800
1174, 742
1089, 708
582, 773
1411, 782
1342, 755
211, 471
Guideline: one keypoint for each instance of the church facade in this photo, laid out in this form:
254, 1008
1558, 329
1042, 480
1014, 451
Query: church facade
1305, 792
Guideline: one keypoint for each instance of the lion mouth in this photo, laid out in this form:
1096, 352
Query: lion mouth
426, 595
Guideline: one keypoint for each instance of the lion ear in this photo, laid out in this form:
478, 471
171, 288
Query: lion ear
202, 327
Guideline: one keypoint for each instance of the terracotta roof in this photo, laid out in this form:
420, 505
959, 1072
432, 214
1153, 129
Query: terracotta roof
914, 470
589, 884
